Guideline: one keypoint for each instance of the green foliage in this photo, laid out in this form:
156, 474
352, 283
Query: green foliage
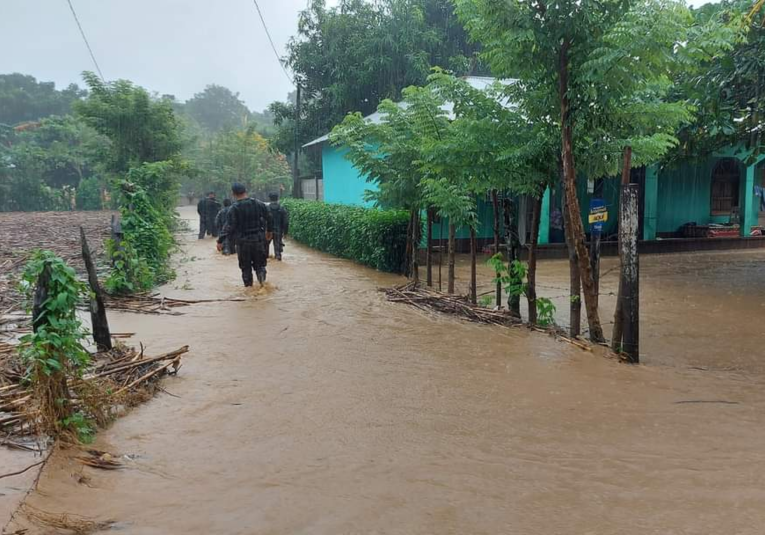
486, 301
513, 280
353, 56
217, 108
57, 343
141, 129
545, 311
89, 194
235, 156
23, 98
160, 182
143, 159
141, 261
41, 164
620, 57
82, 426
369, 236
725, 82
129, 274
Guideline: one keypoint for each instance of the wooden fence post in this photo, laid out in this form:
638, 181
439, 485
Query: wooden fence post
630, 306
429, 245
101, 334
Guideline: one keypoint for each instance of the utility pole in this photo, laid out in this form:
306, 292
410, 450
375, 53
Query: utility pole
296, 189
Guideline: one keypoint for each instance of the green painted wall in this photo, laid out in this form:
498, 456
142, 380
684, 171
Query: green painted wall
485, 228
684, 195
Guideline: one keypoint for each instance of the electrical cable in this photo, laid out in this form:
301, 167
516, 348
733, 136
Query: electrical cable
270, 40
84, 38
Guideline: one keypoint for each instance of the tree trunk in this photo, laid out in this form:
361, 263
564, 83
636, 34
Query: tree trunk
452, 245
429, 251
616, 335
575, 297
531, 287
101, 334
569, 182
495, 205
511, 239
473, 284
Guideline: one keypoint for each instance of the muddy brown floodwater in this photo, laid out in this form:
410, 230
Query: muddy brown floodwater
317, 407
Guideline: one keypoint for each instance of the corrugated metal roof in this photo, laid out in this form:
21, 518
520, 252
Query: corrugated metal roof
478, 82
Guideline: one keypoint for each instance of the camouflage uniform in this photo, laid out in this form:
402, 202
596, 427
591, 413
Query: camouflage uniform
281, 226
247, 222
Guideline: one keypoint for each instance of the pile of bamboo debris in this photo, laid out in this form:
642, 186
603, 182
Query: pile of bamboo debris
117, 379
425, 298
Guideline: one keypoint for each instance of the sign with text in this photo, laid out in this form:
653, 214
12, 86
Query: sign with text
598, 215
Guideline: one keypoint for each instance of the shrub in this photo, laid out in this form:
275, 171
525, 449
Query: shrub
141, 260
89, 194
369, 236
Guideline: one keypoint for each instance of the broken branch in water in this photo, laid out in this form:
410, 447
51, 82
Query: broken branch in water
24, 470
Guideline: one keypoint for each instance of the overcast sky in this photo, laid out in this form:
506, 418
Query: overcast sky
168, 46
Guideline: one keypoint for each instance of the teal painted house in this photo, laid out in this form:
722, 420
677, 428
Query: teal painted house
722, 195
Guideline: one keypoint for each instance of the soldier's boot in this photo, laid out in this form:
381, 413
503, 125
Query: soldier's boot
261, 274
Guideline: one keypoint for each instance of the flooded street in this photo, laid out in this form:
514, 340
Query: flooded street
315, 406
700, 309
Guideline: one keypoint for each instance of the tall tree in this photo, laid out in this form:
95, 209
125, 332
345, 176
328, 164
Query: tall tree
23, 98
218, 108
353, 56
141, 129
588, 67
725, 84
237, 155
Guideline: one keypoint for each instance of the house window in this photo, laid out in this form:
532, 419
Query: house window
725, 187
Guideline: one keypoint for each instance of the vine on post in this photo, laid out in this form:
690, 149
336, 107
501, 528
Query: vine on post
141, 259
53, 353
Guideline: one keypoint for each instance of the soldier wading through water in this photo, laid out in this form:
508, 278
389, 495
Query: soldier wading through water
281, 221
207, 209
249, 222
229, 247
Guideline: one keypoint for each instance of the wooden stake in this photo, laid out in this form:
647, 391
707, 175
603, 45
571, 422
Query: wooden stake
101, 334
512, 242
473, 283
495, 205
616, 335
452, 245
531, 287
630, 274
429, 250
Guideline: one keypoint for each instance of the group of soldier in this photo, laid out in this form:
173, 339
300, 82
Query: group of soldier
245, 227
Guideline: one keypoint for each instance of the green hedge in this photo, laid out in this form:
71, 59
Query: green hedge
369, 236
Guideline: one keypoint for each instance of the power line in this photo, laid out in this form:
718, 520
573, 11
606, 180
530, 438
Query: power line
84, 38
273, 46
